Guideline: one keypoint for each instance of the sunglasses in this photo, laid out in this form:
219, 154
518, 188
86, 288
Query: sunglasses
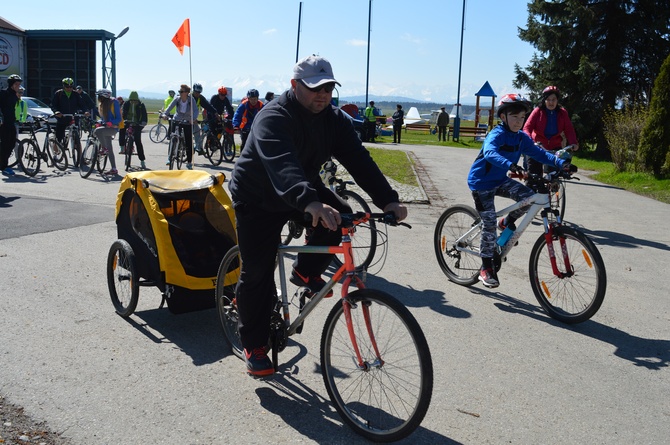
328, 87
69, 86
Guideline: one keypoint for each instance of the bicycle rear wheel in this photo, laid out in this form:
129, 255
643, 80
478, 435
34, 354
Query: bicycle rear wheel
228, 147
460, 266
57, 154
291, 230
213, 150
226, 282
29, 157
386, 397
88, 159
577, 296
158, 133
364, 241
122, 278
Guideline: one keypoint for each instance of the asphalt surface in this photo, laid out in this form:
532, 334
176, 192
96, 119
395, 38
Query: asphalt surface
504, 371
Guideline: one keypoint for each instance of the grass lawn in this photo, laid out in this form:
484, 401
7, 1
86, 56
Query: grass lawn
640, 183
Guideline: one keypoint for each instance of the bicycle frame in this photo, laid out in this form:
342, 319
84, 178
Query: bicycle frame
347, 273
539, 203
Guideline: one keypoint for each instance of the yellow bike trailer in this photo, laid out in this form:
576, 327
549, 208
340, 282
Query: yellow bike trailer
174, 227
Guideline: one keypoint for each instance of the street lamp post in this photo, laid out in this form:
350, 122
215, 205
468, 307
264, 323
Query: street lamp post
457, 119
121, 34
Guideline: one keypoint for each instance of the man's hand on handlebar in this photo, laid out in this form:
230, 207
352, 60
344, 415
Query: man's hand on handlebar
330, 218
569, 168
398, 209
518, 171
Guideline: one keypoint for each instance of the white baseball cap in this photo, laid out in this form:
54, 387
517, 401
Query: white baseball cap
314, 71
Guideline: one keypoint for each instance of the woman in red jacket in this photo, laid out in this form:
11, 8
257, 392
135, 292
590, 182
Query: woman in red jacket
548, 125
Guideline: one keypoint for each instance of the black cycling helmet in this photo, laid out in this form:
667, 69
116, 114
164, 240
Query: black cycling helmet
252, 93
13, 79
68, 82
197, 88
171, 93
551, 89
513, 101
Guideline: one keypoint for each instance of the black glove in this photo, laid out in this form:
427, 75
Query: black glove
516, 169
569, 168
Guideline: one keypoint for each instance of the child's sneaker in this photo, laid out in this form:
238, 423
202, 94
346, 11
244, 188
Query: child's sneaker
189, 166
314, 284
258, 363
112, 172
143, 166
488, 277
103, 151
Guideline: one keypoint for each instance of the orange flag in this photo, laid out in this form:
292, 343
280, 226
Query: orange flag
183, 36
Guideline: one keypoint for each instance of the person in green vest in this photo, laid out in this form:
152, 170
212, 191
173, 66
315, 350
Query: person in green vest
168, 100
370, 121
21, 108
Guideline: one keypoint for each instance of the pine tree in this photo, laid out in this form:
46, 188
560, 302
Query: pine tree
598, 52
654, 151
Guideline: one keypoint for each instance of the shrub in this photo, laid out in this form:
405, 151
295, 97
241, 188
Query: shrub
654, 151
623, 129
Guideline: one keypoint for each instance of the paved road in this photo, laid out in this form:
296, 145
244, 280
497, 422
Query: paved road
504, 371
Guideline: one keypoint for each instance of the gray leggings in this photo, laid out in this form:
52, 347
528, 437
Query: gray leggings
105, 134
485, 205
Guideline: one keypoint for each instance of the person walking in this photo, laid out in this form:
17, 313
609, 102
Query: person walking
398, 121
442, 124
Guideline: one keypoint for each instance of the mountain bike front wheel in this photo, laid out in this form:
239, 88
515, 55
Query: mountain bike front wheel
213, 150
57, 153
384, 398
460, 261
228, 147
577, 295
29, 157
88, 159
224, 293
158, 133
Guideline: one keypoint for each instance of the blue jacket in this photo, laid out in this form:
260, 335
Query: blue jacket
501, 149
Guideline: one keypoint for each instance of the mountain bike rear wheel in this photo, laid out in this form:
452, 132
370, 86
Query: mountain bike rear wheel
460, 266
385, 397
226, 282
578, 295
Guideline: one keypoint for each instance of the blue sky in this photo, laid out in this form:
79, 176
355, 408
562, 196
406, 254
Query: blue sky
246, 44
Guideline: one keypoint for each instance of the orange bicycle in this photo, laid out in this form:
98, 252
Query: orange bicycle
375, 360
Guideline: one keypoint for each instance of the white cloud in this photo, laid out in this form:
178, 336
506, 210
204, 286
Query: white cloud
357, 42
270, 31
412, 39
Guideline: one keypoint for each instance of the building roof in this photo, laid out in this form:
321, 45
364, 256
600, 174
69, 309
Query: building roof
486, 90
97, 34
6, 24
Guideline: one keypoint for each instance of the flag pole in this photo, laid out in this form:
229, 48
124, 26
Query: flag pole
190, 80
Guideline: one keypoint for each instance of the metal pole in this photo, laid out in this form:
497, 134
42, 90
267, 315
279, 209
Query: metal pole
297, 49
457, 119
367, 73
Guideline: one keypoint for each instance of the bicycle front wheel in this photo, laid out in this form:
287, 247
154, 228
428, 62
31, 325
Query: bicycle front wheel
158, 133
29, 157
88, 159
213, 150
57, 153
228, 147
364, 241
181, 155
460, 261
128, 150
226, 282
577, 295
122, 278
385, 397
172, 151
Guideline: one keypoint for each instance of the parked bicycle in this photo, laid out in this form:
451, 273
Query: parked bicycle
375, 360
159, 132
93, 156
177, 145
30, 155
570, 287
366, 241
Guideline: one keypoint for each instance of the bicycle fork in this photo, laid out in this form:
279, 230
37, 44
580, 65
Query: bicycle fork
549, 238
361, 364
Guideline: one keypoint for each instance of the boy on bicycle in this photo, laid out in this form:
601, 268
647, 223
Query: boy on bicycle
488, 178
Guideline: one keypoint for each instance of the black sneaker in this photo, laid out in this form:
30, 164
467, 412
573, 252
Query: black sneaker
314, 284
258, 363
488, 277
